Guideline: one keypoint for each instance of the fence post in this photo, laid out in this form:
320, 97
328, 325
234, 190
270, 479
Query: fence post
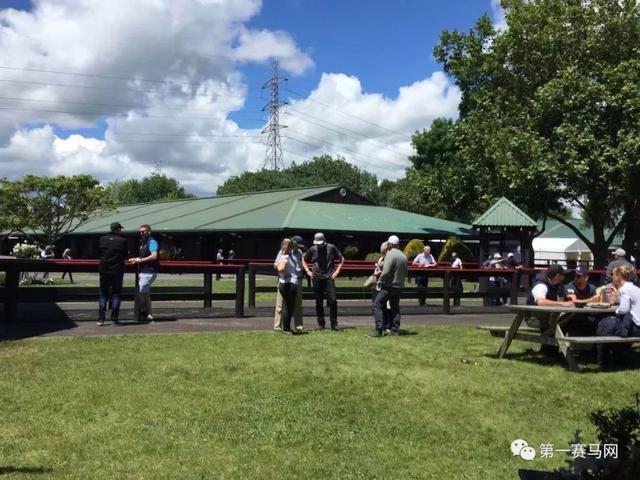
240, 293
252, 286
208, 285
515, 286
446, 306
11, 282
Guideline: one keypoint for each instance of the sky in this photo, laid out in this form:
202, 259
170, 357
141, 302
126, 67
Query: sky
124, 88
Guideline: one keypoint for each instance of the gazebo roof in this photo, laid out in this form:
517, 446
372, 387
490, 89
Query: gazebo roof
504, 213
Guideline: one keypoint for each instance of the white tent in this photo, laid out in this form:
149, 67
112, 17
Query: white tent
559, 250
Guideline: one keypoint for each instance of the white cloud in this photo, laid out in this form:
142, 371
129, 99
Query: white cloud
162, 76
499, 20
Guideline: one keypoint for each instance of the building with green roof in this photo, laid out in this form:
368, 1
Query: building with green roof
253, 224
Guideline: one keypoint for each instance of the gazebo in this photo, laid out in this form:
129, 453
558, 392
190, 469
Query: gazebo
504, 221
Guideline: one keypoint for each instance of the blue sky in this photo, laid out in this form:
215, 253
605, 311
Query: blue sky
354, 55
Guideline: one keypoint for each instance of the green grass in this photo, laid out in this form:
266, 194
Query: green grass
261, 405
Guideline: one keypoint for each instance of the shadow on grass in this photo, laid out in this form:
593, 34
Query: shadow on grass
11, 469
587, 360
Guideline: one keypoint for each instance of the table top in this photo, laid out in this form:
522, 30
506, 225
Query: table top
560, 309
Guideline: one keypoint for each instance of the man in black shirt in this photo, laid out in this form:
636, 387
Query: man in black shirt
319, 263
581, 292
113, 253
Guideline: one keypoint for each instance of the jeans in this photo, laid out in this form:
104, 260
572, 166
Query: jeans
288, 291
619, 326
110, 288
379, 305
325, 288
423, 282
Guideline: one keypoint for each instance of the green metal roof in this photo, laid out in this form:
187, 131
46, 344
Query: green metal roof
555, 229
269, 211
504, 213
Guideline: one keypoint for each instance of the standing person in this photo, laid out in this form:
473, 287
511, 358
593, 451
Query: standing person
148, 264
113, 252
426, 260
392, 279
319, 263
297, 252
289, 267
619, 260
231, 255
456, 281
496, 281
47, 254
219, 260
66, 255
386, 310
626, 322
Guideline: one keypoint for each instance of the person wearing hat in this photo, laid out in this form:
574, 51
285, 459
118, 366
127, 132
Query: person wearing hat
113, 250
581, 292
548, 289
296, 253
497, 262
619, 260
319, 263
392, 279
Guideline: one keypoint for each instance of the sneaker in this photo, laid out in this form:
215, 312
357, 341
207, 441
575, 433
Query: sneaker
387, 331
101, 323
299, 328
150, 318
374, 334
277, 329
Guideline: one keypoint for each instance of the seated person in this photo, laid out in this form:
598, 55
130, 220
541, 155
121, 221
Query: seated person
626, 322
581, 292
547, 291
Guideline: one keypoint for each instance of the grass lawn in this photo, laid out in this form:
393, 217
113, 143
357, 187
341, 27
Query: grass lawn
261, 405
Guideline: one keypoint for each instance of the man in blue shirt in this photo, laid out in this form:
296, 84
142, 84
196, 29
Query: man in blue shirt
425, 259
147, 272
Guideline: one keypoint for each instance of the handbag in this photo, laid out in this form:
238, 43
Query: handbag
371, 281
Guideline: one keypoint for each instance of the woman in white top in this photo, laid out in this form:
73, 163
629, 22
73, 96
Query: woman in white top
289, 268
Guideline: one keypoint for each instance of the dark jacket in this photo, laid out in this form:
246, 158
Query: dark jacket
114, 251
145, 251
552, 290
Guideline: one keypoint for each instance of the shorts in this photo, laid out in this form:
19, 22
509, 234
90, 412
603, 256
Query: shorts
145, 280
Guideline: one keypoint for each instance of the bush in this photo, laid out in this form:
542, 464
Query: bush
350, 252
2, 278
454, 244
25, 250
414, 248
373, 257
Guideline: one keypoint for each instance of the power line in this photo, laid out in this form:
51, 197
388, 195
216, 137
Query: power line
347, 114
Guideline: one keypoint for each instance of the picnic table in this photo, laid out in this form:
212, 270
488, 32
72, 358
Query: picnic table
552, 319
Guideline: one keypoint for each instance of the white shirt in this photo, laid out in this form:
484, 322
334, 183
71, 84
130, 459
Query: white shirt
539, 291
292, 269
629, 297
457, 263
424, 260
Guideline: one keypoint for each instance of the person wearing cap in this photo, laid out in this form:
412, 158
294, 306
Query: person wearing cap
497, 262
392, 279
296, 253
456, 281
219, 260
319, 263
581, 292
113, 250
548, 289
148, 263
619, 260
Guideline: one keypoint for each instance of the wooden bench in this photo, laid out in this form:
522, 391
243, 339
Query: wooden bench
568, 345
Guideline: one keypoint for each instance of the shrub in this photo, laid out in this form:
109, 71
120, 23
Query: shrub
373, 256
2, 274
350, 252
454, 244
25, 250
414, 248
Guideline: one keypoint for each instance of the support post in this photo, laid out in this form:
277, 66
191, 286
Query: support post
515, 286
252, 286
208, 287
11, 283
446, 292
240, 293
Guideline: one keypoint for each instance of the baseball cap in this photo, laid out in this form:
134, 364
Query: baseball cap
619, 252
115, 226
580, 271
555, 269
497, 256
394, 240
318, 239
510, 254
298, 239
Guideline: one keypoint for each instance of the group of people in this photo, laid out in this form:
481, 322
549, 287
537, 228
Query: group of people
427, 260
114, 253
618, 290
322, 263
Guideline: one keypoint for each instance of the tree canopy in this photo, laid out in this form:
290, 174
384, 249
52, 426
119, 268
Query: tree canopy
550, 110
156, 186
321, 170
50, 207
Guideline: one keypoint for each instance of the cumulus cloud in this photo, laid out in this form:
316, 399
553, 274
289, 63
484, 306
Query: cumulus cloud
163, 77
499, 19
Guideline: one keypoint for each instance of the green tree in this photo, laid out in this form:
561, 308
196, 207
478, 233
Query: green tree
454, 244
323, 170
50, 207
550, 109
156, 186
